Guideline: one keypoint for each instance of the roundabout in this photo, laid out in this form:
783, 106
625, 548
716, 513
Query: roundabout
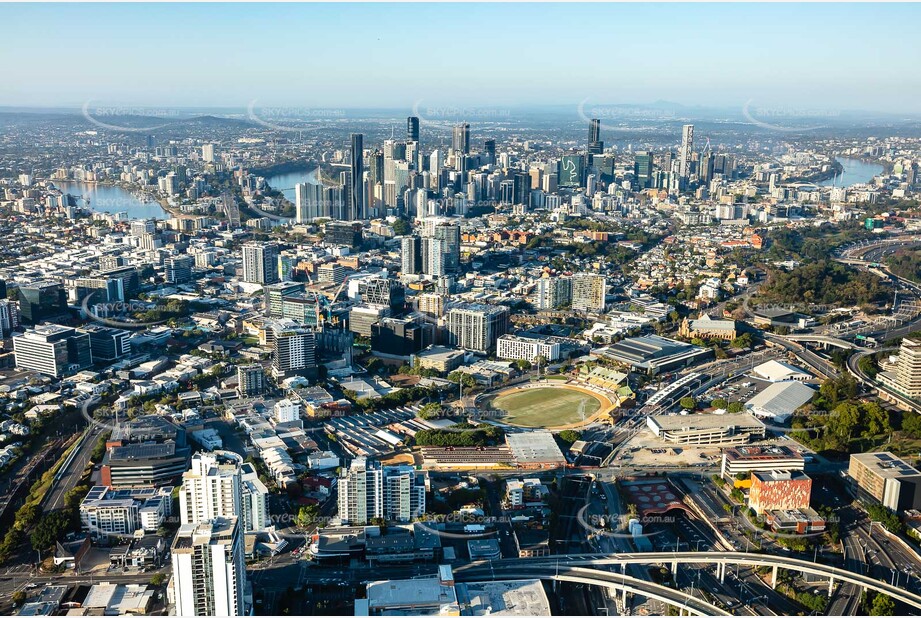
549, 406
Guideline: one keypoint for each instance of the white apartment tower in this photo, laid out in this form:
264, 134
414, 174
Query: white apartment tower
209, 574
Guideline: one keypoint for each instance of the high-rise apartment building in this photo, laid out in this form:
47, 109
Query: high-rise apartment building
260, 263
411, 255
308, 202
687, 147
554, 292
588, 292
905, 378
368, 491
209, 574
250, 380
294, 349
476, 327
219, 485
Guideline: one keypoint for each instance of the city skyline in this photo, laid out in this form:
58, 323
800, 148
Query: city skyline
672, 52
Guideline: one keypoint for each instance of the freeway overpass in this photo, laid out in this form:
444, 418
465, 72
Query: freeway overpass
825, 339
622, 583
719, 558
885, 393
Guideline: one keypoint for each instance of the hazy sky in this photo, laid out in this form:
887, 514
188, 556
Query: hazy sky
805, 56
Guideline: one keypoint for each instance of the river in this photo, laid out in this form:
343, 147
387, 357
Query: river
855, 172
112, 199
285, 182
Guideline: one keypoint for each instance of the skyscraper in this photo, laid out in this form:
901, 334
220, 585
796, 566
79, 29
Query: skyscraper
294, 350
412, 128
356, 187
490, 147
595, 145
684, 155
642, 169
308, 202
460, 141
209, 574
411, 254
260, 263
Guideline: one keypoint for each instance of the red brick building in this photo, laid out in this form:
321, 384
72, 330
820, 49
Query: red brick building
779, 490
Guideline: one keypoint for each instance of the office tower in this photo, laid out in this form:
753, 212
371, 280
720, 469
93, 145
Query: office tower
490, 147
705, 167
376, 168
553, 293
276, 293
684, 155
53, 350
260, 263
331, 272
885, 479
342, 233
209, 574
107, 344
412, 129
588, 292
595, 145
906, 376
41, 300
178, 269
433, 256
308, 202
294, 350
388, 293
460, 139
570, 171
356, 186
250, 380
476, 327
522, 188
9, 317
411, 255
207, 153
642, 169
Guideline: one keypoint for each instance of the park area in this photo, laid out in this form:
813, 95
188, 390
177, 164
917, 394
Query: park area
550, 406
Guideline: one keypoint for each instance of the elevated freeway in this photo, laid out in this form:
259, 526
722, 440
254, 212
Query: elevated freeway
720, 558
622, 583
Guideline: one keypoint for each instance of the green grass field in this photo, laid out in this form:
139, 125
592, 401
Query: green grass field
545, 407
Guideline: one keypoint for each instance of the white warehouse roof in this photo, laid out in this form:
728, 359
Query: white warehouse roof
780, 400
777, 371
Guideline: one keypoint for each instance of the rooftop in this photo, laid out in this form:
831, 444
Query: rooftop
885, 465
524, 597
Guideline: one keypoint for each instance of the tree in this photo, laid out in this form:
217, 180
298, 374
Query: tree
522, 364
430, 410
570, 436
719, 403
51, 528
911, 424
743, 341
735, 407
19, 597
883, 605
688, 403
307, 515
158, 580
